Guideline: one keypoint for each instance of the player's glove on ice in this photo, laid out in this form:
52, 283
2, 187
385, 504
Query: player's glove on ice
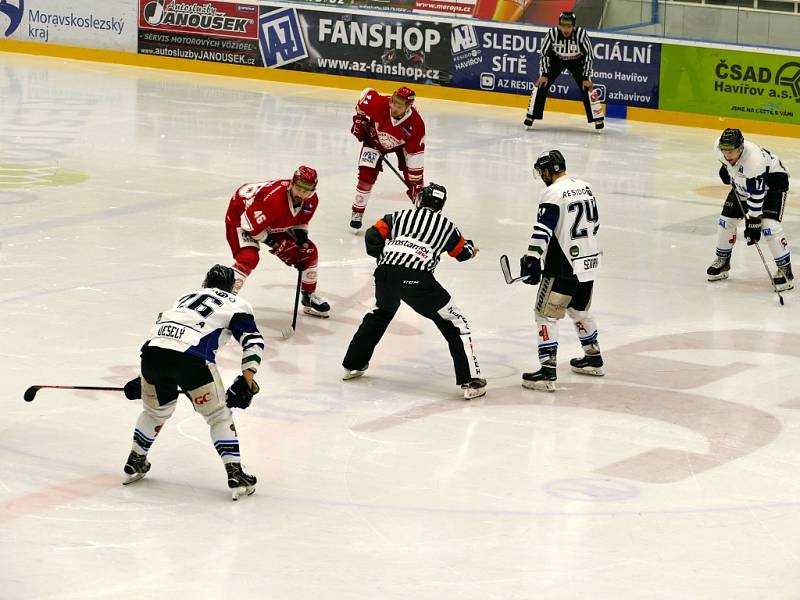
531, 268
752, 230
240, 394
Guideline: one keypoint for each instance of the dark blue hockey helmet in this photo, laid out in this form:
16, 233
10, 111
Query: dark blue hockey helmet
731, 139
220, 277
552, 160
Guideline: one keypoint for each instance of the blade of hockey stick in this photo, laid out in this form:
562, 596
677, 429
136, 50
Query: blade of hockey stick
506, 269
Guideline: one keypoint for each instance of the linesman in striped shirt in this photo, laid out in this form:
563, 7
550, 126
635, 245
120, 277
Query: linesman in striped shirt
566, 47
407, 245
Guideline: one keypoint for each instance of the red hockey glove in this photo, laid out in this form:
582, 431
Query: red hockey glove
288, 251
304, 254
414, 189
360, 128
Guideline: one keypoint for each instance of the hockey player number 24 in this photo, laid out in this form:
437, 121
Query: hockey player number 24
584, 208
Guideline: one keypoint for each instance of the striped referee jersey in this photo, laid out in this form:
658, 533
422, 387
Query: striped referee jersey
415, 238
576, 47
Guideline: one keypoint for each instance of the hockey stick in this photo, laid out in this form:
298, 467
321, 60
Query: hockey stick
506, 269
30, 393
395, 171
288, 332
760, 253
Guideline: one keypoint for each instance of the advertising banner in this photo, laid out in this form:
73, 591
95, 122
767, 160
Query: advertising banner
541, 13
395, 5
731, 83
109, 25
212, 30
357, 45
507, 60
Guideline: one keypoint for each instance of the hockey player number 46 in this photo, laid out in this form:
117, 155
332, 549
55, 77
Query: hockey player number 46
584, 208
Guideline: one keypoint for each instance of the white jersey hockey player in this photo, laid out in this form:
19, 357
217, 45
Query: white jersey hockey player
565, 255
759, 183
180, 355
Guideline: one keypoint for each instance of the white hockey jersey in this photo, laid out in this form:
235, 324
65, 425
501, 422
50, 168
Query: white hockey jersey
565, 233
203, 321
754, 174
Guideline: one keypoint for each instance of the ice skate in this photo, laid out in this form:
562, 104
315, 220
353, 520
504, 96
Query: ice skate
136, 467
474, 388
543, 380
353, 373
315, 306
784, 278
355, 221
240, 483
719, 269
599, 125
590, 364
528, 122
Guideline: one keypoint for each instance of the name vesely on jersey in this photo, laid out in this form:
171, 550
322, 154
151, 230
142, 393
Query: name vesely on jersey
171, 331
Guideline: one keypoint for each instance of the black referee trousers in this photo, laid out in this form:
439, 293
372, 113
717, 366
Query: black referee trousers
421, 291
556, 67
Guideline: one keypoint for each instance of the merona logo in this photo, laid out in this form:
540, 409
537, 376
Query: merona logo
21, 176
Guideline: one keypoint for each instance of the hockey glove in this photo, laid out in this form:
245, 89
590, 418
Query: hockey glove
724, 175
133, 389
288, 251
360, 128
531, 268
414, 188
240, 395
752, 230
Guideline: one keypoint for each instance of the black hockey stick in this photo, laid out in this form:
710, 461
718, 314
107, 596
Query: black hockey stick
30, 393
288, 332
395, 171
506, 269
760, 253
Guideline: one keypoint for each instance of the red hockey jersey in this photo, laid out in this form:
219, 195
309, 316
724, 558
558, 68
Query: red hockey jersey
264, 208
408, 132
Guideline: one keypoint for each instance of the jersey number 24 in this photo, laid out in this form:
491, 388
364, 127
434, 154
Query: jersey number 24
584, 209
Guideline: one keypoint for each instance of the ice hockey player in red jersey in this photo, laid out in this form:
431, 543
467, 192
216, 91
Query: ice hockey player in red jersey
384, 125
277, 213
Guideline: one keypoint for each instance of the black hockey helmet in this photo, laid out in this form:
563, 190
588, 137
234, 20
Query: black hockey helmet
567, 18
220, 277
731, 139
552, 160
432, 196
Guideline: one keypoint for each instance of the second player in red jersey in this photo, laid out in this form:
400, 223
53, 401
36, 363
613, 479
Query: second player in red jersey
384, 125
277, 213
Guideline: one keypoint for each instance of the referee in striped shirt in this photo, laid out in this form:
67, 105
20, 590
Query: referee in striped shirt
565, 47
407, 245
